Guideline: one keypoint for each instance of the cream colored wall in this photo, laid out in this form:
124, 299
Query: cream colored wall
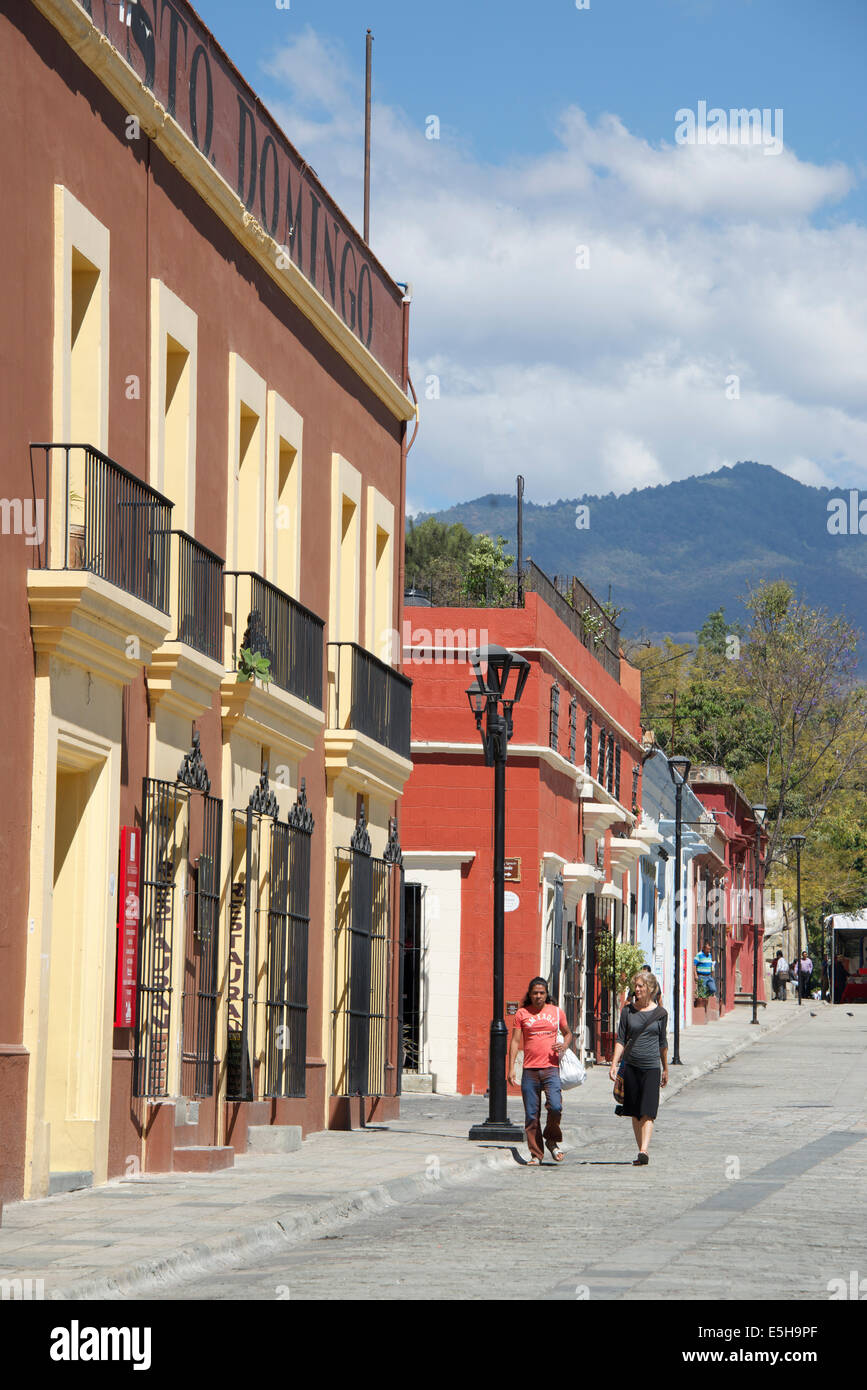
283, 496
77, 230
379, 577
173, 426
345, 586
69, 989
246, 492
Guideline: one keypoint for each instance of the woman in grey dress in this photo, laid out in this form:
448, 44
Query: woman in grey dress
642, 1035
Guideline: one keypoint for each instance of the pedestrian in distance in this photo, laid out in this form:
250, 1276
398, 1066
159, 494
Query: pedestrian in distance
781, 976
537, 1024
641, 1055
703, 964
805, 974
841, 977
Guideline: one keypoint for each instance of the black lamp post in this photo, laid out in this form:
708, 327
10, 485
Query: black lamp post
503, 687
761, 814
798, 841
679, 771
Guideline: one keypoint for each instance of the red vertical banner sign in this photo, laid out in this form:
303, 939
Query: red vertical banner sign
127, 926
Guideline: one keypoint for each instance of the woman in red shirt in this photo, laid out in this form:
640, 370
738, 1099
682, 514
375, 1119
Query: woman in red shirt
537, 1023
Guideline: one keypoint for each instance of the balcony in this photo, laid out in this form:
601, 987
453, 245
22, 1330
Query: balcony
185, 672
285, 712
99, 591
367, 742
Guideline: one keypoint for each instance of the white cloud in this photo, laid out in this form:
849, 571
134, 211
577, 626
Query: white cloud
703, 263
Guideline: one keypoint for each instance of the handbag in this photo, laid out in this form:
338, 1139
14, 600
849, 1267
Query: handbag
572, 1070
619, 1088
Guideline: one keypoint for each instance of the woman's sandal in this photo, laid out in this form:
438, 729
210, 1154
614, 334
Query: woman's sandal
533, 1162
556, 1153
640, 1161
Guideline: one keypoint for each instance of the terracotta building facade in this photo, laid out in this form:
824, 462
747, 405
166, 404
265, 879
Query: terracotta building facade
573, 787
203, 478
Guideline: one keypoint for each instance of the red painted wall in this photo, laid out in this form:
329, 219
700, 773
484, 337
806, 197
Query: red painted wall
448, 802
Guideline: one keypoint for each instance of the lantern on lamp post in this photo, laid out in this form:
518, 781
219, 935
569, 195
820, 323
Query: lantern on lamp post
760, 814
500, 679
798, 842
678, 769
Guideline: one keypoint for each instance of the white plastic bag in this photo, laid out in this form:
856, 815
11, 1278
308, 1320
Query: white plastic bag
572, 1072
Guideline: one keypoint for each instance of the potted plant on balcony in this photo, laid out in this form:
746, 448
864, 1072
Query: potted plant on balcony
77, 541
253, 666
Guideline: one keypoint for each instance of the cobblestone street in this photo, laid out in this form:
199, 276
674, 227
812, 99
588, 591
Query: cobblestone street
755, 1190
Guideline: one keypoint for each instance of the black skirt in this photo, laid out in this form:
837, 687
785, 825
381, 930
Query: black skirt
641, 1091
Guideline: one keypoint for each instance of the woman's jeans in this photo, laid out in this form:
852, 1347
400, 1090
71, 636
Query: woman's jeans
533, 1081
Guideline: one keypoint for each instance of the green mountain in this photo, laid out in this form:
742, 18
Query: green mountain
672, 554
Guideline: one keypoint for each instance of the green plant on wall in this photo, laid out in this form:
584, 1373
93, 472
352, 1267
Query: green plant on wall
593, 625
486, 580
628, 960
252, 664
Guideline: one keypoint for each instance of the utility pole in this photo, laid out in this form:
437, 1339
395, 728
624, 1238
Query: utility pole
368, 76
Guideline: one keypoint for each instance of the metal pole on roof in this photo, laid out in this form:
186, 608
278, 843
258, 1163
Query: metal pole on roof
368, 73
520, 593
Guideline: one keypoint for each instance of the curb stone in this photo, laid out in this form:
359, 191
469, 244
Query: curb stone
194, 1260
226, 1251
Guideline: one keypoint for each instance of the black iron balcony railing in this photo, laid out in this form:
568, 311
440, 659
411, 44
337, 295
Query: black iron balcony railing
570, 600
584, 615
200, 607
103, 519
370, 697
267, 621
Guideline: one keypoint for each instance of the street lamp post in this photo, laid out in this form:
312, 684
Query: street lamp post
798, 841
503, 687
760, 813
680, 767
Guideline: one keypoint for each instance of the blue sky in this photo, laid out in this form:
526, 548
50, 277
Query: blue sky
719, 314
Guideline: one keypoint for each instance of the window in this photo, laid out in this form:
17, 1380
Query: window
573, 727
554, 717
600, 759
245, 520
174, 338
345, 551
379, 603
283, 497
617, 773
609, 765
588, 744
81, 297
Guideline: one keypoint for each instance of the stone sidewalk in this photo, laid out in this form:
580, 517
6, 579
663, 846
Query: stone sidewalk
150, 1232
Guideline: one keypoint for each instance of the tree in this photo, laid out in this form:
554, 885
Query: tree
486, 582
436, 558
799, 665
664, 675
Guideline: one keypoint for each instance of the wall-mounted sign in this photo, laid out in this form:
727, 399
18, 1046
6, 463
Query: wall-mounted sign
512, 869
512, 1006
128, 912
511, 902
